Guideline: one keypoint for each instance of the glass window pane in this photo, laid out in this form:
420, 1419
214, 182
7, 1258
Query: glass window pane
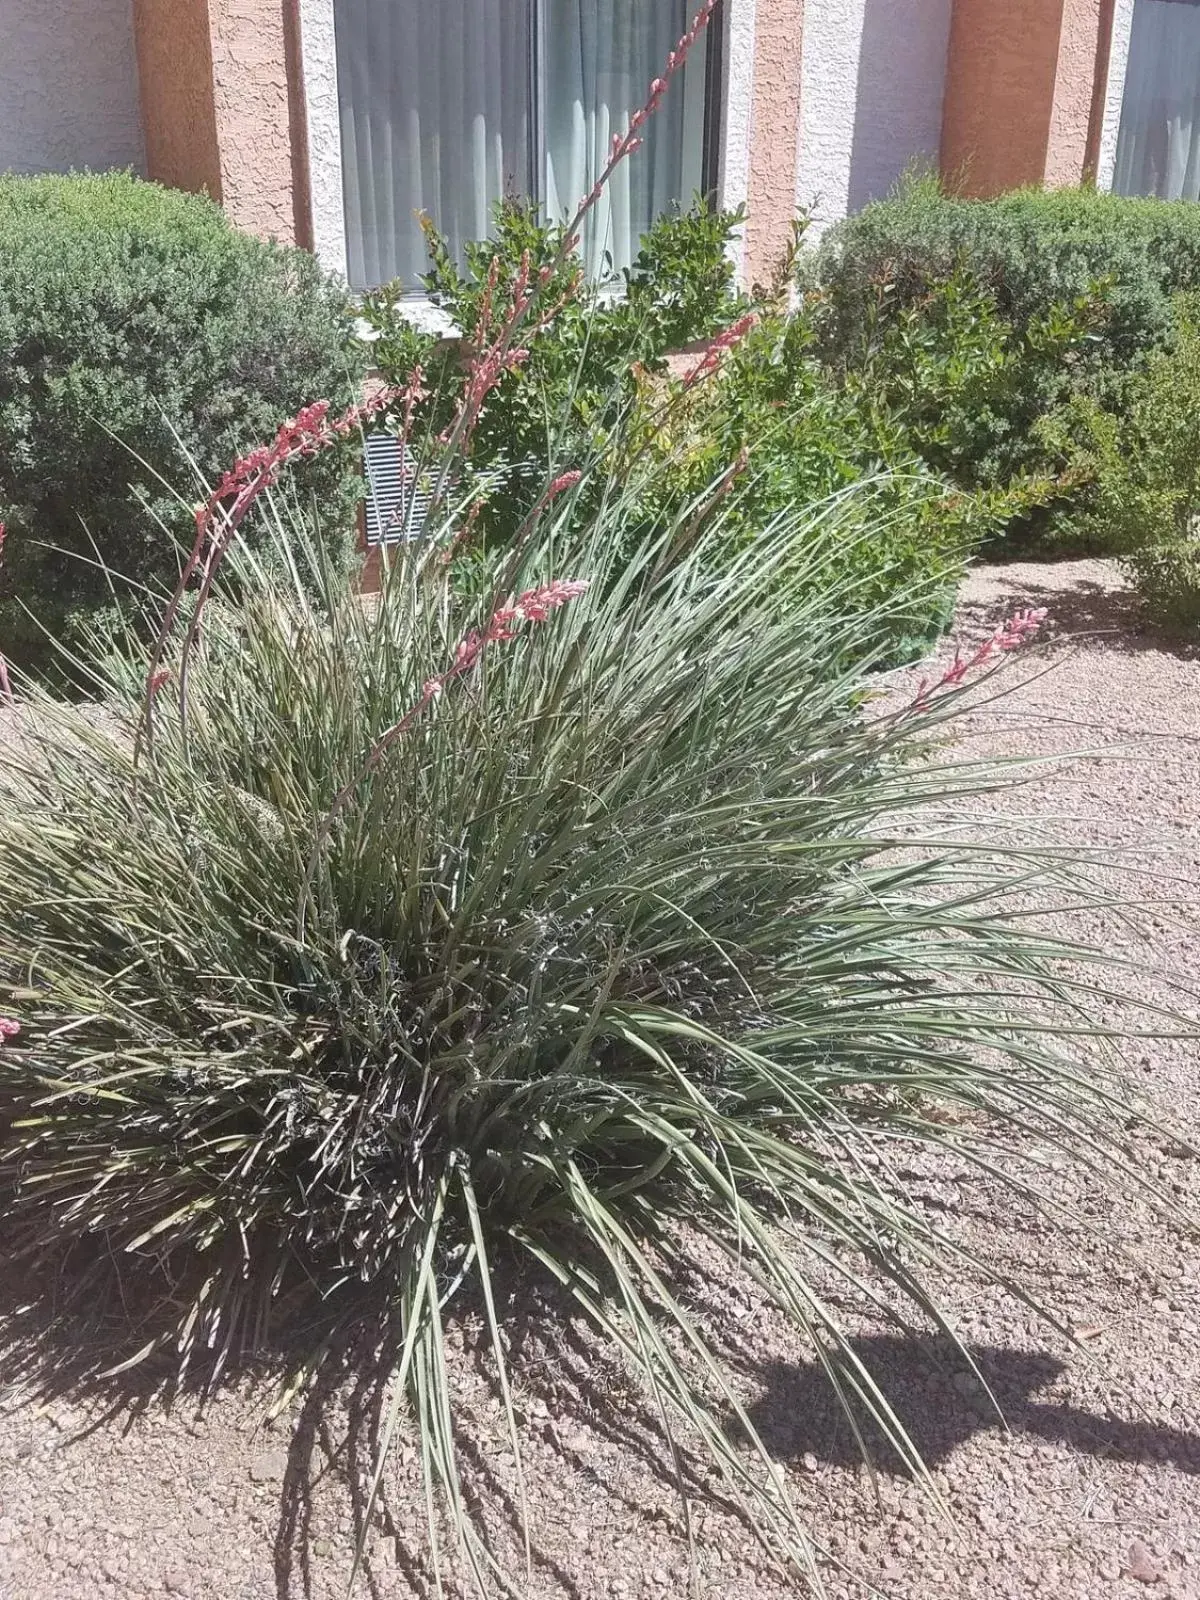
435, 101
598, 59
1158, 147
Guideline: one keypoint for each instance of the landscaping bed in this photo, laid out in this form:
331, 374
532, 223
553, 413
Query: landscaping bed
1093, 1490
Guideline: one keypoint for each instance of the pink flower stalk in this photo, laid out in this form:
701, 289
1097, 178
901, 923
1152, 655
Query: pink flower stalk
625, 144
534, 605
1010, 635
728, 339
561, 484
9, 1028
305, 434
219, 517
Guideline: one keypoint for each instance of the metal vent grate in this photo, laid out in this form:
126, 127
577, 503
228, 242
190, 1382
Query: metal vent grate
398, 501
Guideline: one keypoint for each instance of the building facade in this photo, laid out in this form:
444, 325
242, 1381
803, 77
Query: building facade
330, 123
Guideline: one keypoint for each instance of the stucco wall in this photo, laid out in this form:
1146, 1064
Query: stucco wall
68, 86
779, 34
1004, 60
254, 115
319, 57
871, 99
223, 108
175, 65
1074, 92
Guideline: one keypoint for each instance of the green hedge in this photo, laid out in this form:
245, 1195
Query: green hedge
1033, 249
141, 338
981, 324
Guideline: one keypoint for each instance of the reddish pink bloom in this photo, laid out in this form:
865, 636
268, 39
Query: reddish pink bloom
1010, 635
219, 517
535, 605
9, 1028
308, 432
157, 679
568, 480
728, 339
3, 536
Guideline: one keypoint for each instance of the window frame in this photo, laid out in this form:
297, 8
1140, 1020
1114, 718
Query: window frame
724, 157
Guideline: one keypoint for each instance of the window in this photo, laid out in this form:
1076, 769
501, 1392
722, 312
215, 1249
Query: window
1158, 147
447, 107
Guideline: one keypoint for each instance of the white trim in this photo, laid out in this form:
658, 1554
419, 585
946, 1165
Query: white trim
1114, 94
739, 113
318, 55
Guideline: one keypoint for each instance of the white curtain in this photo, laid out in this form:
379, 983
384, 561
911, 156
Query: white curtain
1158, 147
439, 100
599, 57
435, 115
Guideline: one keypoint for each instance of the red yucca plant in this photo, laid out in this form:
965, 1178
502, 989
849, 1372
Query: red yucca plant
397, 950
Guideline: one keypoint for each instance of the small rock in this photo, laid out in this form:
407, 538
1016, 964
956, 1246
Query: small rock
1141, 1564
269, 1466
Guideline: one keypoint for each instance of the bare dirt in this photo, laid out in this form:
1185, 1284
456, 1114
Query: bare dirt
1090, 1488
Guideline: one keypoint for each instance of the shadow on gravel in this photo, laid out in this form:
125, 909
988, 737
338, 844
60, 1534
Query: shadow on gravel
1080, 611
941, 1405
88, 1352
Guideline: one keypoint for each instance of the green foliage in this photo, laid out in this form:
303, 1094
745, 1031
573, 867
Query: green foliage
581, 372
966, 384
1145, 467
629, 954
142, 339
805, 438
617, 367
975, 321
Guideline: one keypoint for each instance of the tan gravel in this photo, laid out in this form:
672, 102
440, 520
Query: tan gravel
1092, 1490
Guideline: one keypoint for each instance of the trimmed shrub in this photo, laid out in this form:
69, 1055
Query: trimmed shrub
143, 340
975, 320
1033, 250
1145, 467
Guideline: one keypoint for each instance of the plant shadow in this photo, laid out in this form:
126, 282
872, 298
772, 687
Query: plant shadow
1081, 610
57, 1345
941, 1405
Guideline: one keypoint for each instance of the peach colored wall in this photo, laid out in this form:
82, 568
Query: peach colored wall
250, 94
219, 105
175, 73
1000, 80
1023, 92
774, 135
1074, 91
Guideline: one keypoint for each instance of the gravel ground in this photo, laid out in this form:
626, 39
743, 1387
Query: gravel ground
1092, 1488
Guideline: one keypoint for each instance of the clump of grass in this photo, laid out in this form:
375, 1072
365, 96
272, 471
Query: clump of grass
619, 943
568, 905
